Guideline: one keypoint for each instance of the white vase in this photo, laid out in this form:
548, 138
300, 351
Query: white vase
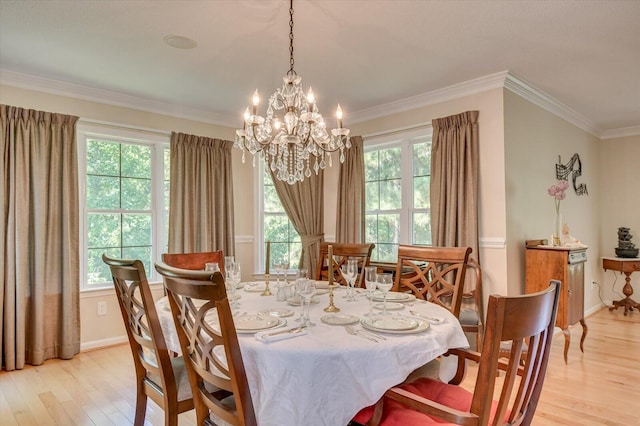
557, 233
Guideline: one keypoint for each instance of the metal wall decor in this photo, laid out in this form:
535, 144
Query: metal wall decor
574, 168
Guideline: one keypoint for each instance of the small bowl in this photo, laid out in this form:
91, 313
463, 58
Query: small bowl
627, 253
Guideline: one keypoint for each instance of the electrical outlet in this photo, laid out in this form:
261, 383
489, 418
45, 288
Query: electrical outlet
102, 308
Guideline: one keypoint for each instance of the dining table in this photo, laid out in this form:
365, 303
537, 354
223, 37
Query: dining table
345, 362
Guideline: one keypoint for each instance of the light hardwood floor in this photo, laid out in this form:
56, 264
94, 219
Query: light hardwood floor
599, 387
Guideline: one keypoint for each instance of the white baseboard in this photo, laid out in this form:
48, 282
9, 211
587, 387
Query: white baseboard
96, 344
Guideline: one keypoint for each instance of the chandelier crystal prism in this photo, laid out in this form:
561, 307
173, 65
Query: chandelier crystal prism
292, 138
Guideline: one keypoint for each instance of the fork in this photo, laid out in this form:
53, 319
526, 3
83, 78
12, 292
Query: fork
295, 330
367, 333
355, 332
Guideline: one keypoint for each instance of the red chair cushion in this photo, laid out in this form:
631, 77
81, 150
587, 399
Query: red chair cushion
396, 414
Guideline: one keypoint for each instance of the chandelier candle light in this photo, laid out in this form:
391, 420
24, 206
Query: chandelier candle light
293, 132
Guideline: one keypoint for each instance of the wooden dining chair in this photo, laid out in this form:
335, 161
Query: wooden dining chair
435, 274
215, 367
159, 375
195, 261
341, 253
524, 319
471, 311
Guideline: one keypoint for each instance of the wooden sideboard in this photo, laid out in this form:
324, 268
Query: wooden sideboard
545, 263
627, 267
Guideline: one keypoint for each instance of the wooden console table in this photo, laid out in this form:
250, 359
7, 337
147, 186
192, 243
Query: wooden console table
627, 267
545, 263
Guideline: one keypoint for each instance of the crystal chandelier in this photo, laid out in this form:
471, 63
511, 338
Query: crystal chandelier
293, 134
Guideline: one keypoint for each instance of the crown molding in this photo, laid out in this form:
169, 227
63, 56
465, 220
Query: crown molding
621, 133
61, 88
503, 79
471, 87
522, 88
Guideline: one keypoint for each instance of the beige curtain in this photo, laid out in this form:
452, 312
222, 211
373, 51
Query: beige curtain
454, 181
304, 204
39, 266
350, 220
201, 195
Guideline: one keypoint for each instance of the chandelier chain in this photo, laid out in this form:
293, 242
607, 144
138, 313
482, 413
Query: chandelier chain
293, 133
291, 61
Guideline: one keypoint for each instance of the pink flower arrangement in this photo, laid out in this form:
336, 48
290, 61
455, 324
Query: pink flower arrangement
557, 191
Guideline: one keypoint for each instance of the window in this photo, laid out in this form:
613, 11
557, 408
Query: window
125, 194
276, 226
397, 179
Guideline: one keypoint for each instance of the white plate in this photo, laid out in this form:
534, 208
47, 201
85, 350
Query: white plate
422, 326
391, 306
254, 287
391, 323
297, 302
253, 323
393, 296
339, 319
276, 312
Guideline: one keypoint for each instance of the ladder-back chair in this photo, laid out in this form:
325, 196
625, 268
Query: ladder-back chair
520, 320
341, 253
435, 274
159, 375
214, 361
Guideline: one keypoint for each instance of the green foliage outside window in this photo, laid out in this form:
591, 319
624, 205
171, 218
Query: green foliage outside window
285, 241
386, 211
119, 219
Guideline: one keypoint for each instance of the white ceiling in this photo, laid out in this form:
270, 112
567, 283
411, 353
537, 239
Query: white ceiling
362, 54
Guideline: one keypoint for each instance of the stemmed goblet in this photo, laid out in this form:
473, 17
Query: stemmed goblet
212, 267
370, 278
232, 279
306, 289
384, 285
228, 260
350, 273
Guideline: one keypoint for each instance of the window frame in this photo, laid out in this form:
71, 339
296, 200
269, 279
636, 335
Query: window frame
259, 240
405, 139
158, 143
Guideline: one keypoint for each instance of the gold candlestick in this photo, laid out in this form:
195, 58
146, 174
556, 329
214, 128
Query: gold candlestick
266, 291
331, 307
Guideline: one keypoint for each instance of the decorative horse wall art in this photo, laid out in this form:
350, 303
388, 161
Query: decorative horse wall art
573, 167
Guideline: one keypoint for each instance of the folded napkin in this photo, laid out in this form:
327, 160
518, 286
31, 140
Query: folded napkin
280, 334
322, 284
325, 285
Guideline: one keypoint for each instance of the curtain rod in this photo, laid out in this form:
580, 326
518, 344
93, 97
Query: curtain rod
399, 130
123, 126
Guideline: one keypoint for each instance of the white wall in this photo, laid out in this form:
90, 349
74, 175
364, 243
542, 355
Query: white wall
519, 145
492, 214
100, 330
619, 187
534, 138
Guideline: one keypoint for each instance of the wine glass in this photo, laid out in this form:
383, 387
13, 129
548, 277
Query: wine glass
232, 279
228, 262
306, 288
384, 285
212, 267
370, 278
350, 272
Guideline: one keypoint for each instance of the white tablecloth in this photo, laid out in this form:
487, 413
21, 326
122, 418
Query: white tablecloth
326, 376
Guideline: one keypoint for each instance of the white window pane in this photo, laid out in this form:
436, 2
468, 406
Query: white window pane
421, 229
421, 192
